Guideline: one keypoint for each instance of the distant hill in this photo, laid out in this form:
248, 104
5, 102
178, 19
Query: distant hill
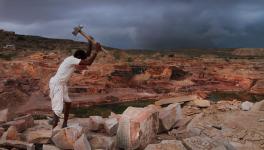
37, 43
28, 42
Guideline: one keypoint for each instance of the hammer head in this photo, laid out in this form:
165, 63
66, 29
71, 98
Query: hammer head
77, 29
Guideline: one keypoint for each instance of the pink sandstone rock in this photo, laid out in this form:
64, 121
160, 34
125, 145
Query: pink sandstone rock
11, 134
97, 123
82, 143
137, 127
66, 137
3, 115
101, 141
21, 123
168, 116
110, 126
38, 136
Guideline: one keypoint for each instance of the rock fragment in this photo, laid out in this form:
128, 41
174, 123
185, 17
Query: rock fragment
179, 99
21, 123
97, 123
10, 134
258, 106
3, 115
246, 106
169, 116
201, 103
110, 126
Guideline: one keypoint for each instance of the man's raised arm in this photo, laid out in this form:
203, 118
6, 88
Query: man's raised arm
91, 59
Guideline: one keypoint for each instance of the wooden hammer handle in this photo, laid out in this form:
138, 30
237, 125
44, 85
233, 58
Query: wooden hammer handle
89, 38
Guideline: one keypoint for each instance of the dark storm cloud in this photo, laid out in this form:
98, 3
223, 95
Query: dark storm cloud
154, 24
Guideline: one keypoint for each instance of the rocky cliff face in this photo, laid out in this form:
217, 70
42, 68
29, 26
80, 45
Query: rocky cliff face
124, 75
145, 78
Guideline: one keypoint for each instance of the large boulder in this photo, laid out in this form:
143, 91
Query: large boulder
137, 127
3, 115
82, 143
168, 116
166, 145
246, 106
110, 126
100, 141
66, 137
21, 123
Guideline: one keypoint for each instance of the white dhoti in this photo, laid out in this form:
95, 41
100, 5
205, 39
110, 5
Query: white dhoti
58, 95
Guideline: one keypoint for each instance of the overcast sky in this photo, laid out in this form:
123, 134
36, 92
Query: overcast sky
148, 24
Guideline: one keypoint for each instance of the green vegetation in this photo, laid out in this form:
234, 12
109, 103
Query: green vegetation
129, 59
241, 96
105, 109
116, 55
8, 55
21, 38
39, 117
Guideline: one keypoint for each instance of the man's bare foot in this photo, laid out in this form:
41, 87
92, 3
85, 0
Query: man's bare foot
52, 120
64, 125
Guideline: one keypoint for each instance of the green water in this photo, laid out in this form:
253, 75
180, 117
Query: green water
241, 96
104, 110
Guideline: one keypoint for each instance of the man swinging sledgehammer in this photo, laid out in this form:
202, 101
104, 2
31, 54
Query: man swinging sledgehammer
58, 83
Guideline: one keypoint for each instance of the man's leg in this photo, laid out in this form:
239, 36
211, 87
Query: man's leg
55, 121
67, 108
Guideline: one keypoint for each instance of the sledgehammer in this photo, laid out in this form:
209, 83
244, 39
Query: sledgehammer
78, 29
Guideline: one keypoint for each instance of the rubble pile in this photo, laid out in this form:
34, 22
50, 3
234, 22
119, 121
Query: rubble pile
155, 127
